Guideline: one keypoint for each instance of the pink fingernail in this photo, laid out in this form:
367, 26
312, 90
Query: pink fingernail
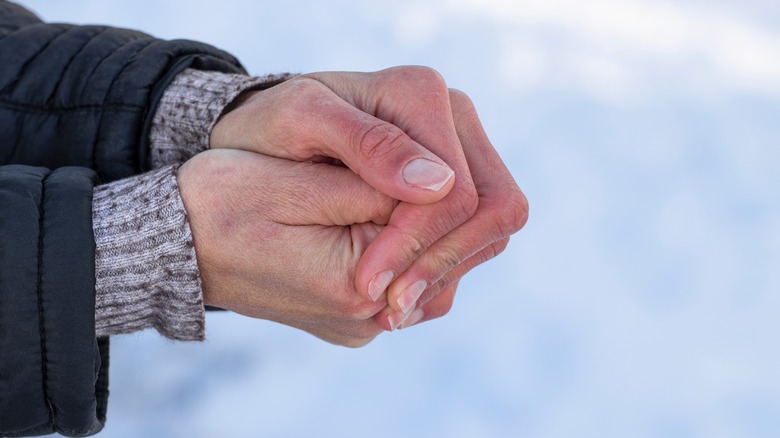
410, 296
378, 284
413, 319
426, 174
396, 319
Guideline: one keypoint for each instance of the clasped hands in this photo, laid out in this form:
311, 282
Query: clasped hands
345, 204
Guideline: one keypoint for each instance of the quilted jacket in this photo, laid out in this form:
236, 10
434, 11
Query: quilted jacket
76, 103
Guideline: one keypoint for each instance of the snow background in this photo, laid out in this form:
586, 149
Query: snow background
641, 300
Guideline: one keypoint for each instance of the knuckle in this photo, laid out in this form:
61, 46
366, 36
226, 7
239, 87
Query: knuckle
298, 93
464, 203
449, 258
376, 141
461, 104
497, 248
412, 246
425, 81
459, 98
489, 252
294, 112
415, 246
428, 74
514, 214
446, 258
303, 86
418, 73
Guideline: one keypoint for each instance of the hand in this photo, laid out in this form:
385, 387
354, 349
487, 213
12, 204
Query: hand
280, 240
304, 120
377, 123
501, 210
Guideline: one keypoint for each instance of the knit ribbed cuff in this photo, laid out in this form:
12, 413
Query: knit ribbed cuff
189, 109
146, 269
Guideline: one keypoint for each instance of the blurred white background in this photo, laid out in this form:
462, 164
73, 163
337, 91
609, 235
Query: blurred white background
641, 300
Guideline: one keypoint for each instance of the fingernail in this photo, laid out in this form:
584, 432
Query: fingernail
426, 174
410, 296
412, 319
396, 319
379, 283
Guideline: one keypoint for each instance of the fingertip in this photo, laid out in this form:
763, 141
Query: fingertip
396, 319
391, 161
422, 180
407, 300
382, 319
379, 283
415, 317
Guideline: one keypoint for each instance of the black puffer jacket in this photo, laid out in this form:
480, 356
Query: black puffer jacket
75, 109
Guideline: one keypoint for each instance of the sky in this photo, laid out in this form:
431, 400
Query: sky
640, 300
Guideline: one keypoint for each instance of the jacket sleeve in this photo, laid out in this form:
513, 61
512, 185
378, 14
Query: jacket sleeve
85, 95
51, 373
81, 97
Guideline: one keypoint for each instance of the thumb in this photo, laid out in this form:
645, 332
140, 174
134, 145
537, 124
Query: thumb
388, 159
382, 154
323, 194
302, 119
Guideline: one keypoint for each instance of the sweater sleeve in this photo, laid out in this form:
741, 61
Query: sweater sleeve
146, 265
83, 97
189, 109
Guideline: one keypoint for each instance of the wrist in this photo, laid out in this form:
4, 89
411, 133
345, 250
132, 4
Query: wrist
191, 106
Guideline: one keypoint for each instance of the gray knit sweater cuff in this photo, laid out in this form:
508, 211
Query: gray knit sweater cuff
146, 270
189, 109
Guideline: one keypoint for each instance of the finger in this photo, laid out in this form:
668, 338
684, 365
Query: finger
303, 120
332, 195
502, 211
306, 193
417, 101
439, 306
462, 269
389, 317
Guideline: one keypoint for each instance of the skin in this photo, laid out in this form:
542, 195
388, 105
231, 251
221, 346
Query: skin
280, 240
501, 210
376, 124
